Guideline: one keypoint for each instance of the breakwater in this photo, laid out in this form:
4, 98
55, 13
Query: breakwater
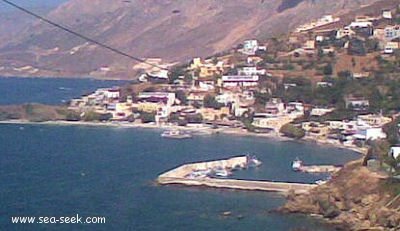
197, 174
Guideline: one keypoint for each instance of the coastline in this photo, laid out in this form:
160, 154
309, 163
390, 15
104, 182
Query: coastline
198, 129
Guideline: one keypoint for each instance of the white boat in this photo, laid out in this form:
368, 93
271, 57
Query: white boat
176, 134
252, 161
297, 164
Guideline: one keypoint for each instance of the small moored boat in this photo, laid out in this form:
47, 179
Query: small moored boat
297, 164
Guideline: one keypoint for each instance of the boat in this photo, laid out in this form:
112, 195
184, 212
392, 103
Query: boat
176, 134
297, 164
252, 161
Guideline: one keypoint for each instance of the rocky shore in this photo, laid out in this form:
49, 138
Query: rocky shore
355, 199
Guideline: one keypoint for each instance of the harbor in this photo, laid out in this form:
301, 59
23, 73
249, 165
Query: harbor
198, 174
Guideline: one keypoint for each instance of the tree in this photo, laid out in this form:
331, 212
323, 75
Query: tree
181, 95
292, 131
210, 102
91, 116
147, 117
328, 69
195, 118
72, 116
176, 72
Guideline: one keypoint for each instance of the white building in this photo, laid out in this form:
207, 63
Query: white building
395, 151
344, 32
370, 133
360, 25
250, 47
387, 14
320, 111
239, 81
109, 93
392, 32
251, 71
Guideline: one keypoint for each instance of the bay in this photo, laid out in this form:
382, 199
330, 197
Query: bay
48, 170
53, 91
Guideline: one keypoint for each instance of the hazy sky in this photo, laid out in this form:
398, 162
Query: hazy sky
30, 3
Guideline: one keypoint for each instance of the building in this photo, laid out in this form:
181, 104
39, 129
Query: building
250, 47
275, 106
208, 68
158, 74
344, 32
239, 80
373, 120
251, 71
392, 32
395, 151
320, 111
356, 103
359, 25
372, 133
387, 14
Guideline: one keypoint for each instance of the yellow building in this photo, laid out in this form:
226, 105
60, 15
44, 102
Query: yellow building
208, 68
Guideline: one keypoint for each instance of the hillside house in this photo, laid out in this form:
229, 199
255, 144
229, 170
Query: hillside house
196, 98
250, 47
394, 151
251, 71
370, 133
387, 14
253, 59
359, 25
208, 68
275, 106
373, 120
356, 103
157, 74
320, 111
346, 31
390, 47
239, 81
392, 32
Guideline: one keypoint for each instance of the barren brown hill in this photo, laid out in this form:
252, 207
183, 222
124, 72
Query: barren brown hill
173, 30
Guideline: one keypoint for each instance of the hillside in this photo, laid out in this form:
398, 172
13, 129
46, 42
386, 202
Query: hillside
363, 201
172, 30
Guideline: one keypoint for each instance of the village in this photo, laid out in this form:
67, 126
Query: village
251, 87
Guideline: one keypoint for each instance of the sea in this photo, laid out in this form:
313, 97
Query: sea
54, 171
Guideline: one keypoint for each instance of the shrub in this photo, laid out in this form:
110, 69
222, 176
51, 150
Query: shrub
292, 131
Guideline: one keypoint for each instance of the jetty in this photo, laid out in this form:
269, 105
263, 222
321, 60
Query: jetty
298, 165
197, 174
320, 168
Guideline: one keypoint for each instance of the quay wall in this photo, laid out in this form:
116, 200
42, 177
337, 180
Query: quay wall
268, 186
183, 170
179, 176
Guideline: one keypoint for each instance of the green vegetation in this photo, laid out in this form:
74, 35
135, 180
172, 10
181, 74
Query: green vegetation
292, 131
94, 116
210, 102
147, 117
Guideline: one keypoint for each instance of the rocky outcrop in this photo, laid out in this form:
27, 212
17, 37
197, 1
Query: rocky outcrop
355, 199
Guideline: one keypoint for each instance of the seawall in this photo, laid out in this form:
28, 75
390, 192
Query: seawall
184, 175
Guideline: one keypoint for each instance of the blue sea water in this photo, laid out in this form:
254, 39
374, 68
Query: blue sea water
110, 172
52, 91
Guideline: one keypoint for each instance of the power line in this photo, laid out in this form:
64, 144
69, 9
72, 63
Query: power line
80, 35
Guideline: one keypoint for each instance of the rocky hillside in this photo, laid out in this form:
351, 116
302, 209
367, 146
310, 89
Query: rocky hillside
174, 30
363, 201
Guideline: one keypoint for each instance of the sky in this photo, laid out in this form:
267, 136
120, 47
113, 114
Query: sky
30, 3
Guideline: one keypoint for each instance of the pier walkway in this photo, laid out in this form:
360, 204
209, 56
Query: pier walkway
184, 175
269, 186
